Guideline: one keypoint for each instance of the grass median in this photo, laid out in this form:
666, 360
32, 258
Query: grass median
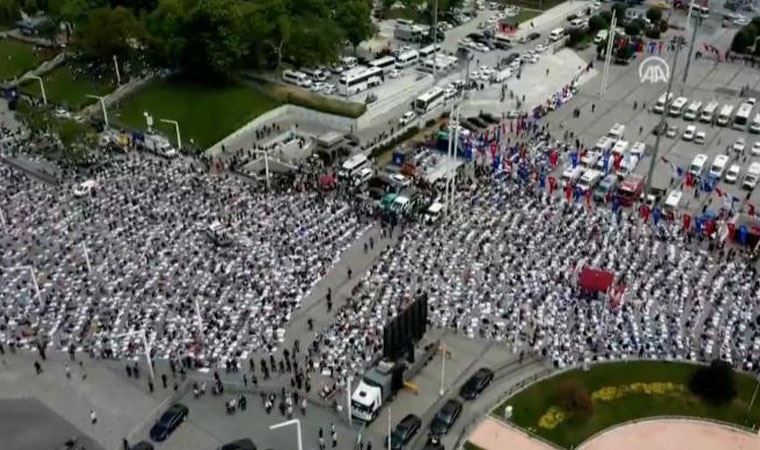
16, 58
622, 392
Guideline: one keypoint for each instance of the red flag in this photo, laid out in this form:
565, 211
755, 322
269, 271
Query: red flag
751, 209
719, 192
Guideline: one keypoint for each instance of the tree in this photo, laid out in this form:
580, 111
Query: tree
109, 32
574, 398
634, 27
620, 9
9, 11
715, 383
744, 39
654, 14
596, 23
576, 37
353, 17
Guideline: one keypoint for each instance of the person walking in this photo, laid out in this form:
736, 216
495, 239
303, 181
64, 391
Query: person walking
150, 386
303, 406
67, 370
164, 379
37, 367
93, 417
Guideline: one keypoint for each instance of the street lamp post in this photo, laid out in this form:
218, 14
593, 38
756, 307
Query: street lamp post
389, 427
118, 73
86, 257
101, 99
443, 367
42, 87
266, 167
297, 423
697, 22
348, 398
2, 217
176, 129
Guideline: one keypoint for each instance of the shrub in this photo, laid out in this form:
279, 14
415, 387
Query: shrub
634, 27
654, 14
597, 22
576, 37
715, 383
744, 39
664, 26
652, 33
574, 398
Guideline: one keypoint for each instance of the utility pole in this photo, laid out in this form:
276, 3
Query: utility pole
101, 99
42, 87
608, 56
86, 257
697, 23
348, 399
389, 426
443, 367
660, 129
118, 73
435, 40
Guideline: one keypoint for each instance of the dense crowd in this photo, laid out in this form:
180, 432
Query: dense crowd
161, 247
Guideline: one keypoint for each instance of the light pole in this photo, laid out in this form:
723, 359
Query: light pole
176, 129
297, 423
146, 348
660, 126
348, 399
266, 167
693, 38
435, 39
389, 427
2, 217
443, 367
754, 396
42, 87
118, 74
608, 56
101, 99
86, 257
34, 280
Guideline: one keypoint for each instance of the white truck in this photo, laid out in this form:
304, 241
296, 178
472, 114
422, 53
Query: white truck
159, 145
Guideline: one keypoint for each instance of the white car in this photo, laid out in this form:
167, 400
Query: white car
733, 173
540, 48
474, 75
752, 100
699, 138
449, 92
482, 48
407, 117
739, 145
84, 188
486, 72
532, 59
329, 89
464, 42
317, 86
741, 21
756, 149
394, 73
688, 135
672, 131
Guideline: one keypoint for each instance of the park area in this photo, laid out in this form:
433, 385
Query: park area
620, 392
205, 113
69, 85
18, 58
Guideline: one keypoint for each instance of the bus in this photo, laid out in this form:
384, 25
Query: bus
742, 116
429, 101
407, 59
359, 79
353, 166
386, 63
429, 50
662, 102
676, 108
709, 112
297, 78
725, 115
693, 110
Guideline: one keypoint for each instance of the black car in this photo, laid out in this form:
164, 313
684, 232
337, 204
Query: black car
168, 422
142, 445
405, 431
660, 128
476, 384
533, 36
240, 444
445, 417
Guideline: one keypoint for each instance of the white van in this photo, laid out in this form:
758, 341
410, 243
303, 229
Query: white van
754, 127
349, 62
616, 132
572, 174
725, 115
698, 165
556, 34
297, 78
673, 202
434, 212
752, 176
692, 111
718, 166
589, 180
676, 108
601, 36
662, 102
709, 112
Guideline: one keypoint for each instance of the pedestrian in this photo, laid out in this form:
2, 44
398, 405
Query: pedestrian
125, 443
176, 386
129, 371
37, 367
93, 417
150, 386
164, 379
303, 407
67, 370
245, 380
334, 437
593, 107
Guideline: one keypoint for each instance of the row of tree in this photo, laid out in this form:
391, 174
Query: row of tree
210, 38
745, 40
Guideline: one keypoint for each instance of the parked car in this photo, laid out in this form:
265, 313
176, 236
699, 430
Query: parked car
733, 173
142, 445
756, 149
405, 431
168, 422
739, 145
672, 131
699, 138
688, 135
476, 384
240, 444
394, 73
407, 117
446, 417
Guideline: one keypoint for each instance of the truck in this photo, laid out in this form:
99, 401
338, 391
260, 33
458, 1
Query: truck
159, 145
381, 382
630, 189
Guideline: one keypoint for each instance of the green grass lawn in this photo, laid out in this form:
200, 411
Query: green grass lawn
63, 86
526, 14
16, 58
205, 113
530, 404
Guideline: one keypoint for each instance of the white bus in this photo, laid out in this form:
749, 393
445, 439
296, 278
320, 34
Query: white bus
386, 63
359, 79
725, 115
676, 108
429, 101
429, 50
662, 102
755, 127
407, 59
693, 110
353, 166
709, 112
297, 78
742, 116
